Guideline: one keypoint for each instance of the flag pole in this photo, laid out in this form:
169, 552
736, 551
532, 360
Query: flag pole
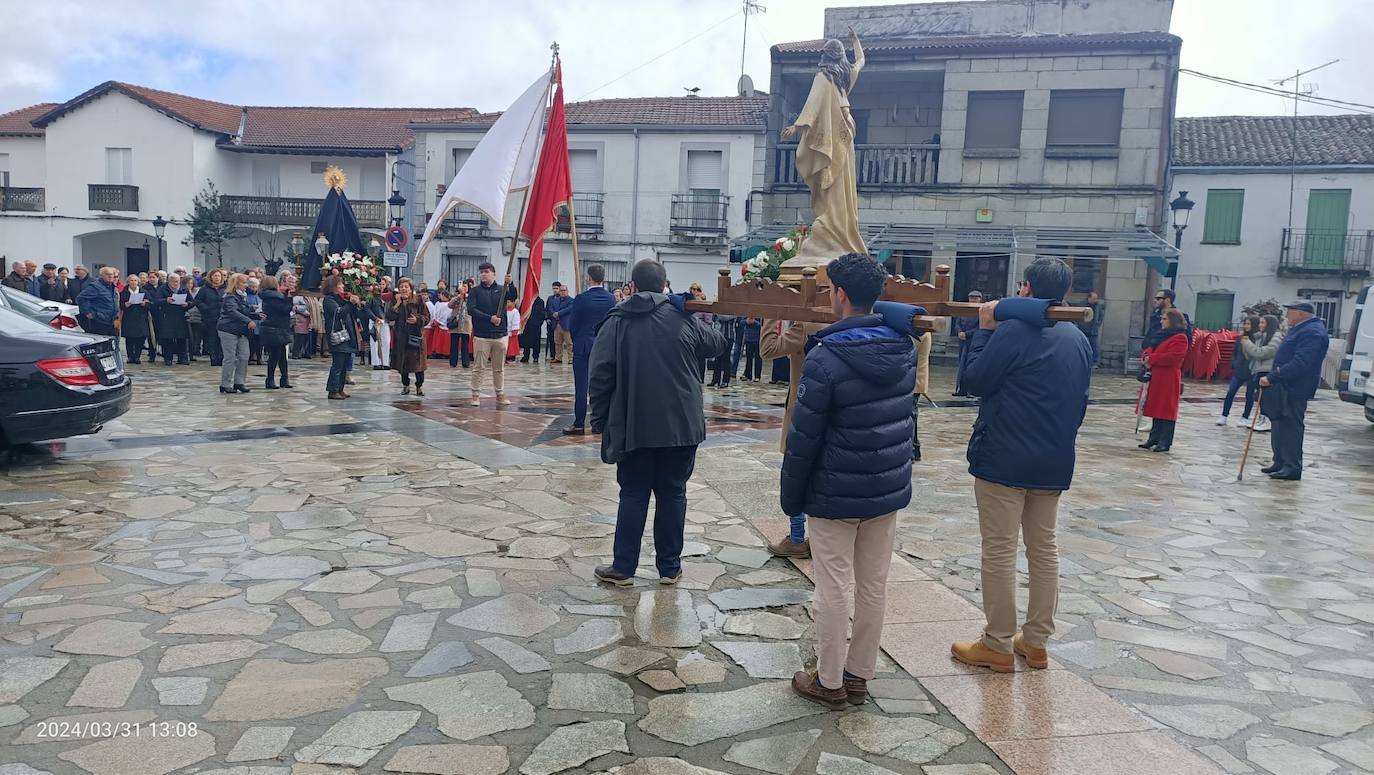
572, 223
525, 198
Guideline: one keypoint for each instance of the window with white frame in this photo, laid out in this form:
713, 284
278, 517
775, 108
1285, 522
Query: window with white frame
586, 171
119, 166
4, 170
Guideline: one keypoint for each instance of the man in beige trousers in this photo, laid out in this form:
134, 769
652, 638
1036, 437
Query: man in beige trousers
487, 308
1032, 376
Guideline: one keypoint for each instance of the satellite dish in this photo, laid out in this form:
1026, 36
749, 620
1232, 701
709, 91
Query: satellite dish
745, 88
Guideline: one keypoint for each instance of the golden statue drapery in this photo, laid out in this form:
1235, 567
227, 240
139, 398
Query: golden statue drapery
825, 158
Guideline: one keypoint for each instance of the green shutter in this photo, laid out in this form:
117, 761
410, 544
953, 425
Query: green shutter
1224, 206
1328, 214
1214, 310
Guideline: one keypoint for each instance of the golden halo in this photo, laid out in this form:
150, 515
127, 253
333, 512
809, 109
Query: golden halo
335, 178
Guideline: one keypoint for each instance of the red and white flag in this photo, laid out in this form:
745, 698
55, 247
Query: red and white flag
550, 191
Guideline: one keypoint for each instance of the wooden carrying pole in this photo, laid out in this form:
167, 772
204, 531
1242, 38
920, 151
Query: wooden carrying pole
577, 266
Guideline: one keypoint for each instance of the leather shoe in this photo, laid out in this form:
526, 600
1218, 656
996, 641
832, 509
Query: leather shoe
856, 688
1286, 475
610, 575
575, 431
979, 655
785, 547
241, 389
1271, 469
807, 685
1036, 658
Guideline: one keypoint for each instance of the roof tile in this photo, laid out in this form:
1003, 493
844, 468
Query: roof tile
663, 111
350, 128
18, 122
1261, 141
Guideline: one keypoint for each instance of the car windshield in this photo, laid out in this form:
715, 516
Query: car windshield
12, 322
23, 302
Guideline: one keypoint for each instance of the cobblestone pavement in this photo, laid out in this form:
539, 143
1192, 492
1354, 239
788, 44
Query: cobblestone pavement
404, 585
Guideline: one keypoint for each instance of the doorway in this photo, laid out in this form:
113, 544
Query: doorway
982, 272
135, 260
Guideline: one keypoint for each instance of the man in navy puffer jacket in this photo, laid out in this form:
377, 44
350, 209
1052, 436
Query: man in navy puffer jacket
848, 466
1032, 375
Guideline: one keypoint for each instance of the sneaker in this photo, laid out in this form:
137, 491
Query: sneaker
979, 655
1263, 425
610, 575
1221, 421
501, 400
670, 581
475, 401
856, 688
807, 685
785, 547
1036, 658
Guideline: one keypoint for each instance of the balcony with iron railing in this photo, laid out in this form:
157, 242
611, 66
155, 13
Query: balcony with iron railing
294, 211
876, 166
465, 220
107, 197
588, 207
1315, 253
700, 218
24, 200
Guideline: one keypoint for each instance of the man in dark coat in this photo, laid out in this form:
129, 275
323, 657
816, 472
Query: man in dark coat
487, 306
80, 278
532, 337
582, 318
50, 288
1032, 375
99, 303
17, 278
1297, 369
646, 404
847, 466
964, 328
551, 306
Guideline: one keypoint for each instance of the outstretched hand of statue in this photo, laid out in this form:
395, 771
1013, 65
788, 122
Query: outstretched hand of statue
789, 132
853, 38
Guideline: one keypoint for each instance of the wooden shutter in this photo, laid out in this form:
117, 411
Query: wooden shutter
1214, 311
1222, 224
1090, 117
994, 120
1328, 218
119, 166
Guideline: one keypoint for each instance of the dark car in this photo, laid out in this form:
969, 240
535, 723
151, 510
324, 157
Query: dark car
55, 384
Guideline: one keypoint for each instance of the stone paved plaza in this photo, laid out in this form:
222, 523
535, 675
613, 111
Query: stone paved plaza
393, 584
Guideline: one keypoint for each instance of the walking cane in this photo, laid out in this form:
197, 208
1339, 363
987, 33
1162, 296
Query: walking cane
1139, 401
1259, 406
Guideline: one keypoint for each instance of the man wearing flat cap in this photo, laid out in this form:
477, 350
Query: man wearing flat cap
1297, 371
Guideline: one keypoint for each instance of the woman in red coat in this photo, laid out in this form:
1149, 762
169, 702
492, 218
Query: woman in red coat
1164, 354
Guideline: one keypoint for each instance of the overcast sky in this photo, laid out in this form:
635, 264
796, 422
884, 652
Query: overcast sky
482, 54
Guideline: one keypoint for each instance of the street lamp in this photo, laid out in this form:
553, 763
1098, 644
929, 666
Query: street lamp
1182, 208
398, 207
159, 229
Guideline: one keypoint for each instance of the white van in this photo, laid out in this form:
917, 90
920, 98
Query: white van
1356, 385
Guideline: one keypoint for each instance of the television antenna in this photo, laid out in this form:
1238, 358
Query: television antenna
1296, 78
750, 6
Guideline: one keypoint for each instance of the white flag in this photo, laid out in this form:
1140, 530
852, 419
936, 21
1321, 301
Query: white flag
502, 162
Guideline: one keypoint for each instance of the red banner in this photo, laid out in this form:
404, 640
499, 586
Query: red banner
550, 191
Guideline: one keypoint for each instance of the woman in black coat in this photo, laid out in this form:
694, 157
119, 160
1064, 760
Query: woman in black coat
533, 326
172, 329
341, 312
275, 332
133, 325
209, 301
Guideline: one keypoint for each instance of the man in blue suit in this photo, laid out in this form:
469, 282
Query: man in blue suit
583, 318
1297, 368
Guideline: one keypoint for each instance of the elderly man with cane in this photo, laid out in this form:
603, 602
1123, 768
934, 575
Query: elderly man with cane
1290, 384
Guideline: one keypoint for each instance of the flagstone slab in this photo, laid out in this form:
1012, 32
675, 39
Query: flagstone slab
1331, 719
696, 669
482, 582
226, 621
150, 507
106, 685
538, 547
780, 755
346, 582
745, 558
450, 759
1281, 757
21, 675
313, 613
41, 731
592, 692
763, 660
626, 660
181, 691
692, 719
834, 764
81, 576
106, 638
575, 744
187, 656
386, 598
165, 601
64, 613
11, 715
1175, 664
662, 765
469, 706
258, 743
444, 657
1160, 639
517, 615
144, 755
661, 680
273, 503
358, 737
740, 599
763, 624
268, 689
667, 618
409, 633
589, 636
1213, 722
444, 543
516, 657
335, 641
915, 740
287, 566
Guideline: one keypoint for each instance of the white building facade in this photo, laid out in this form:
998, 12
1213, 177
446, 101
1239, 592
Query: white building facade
662, 178
81, 182
1272, 224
